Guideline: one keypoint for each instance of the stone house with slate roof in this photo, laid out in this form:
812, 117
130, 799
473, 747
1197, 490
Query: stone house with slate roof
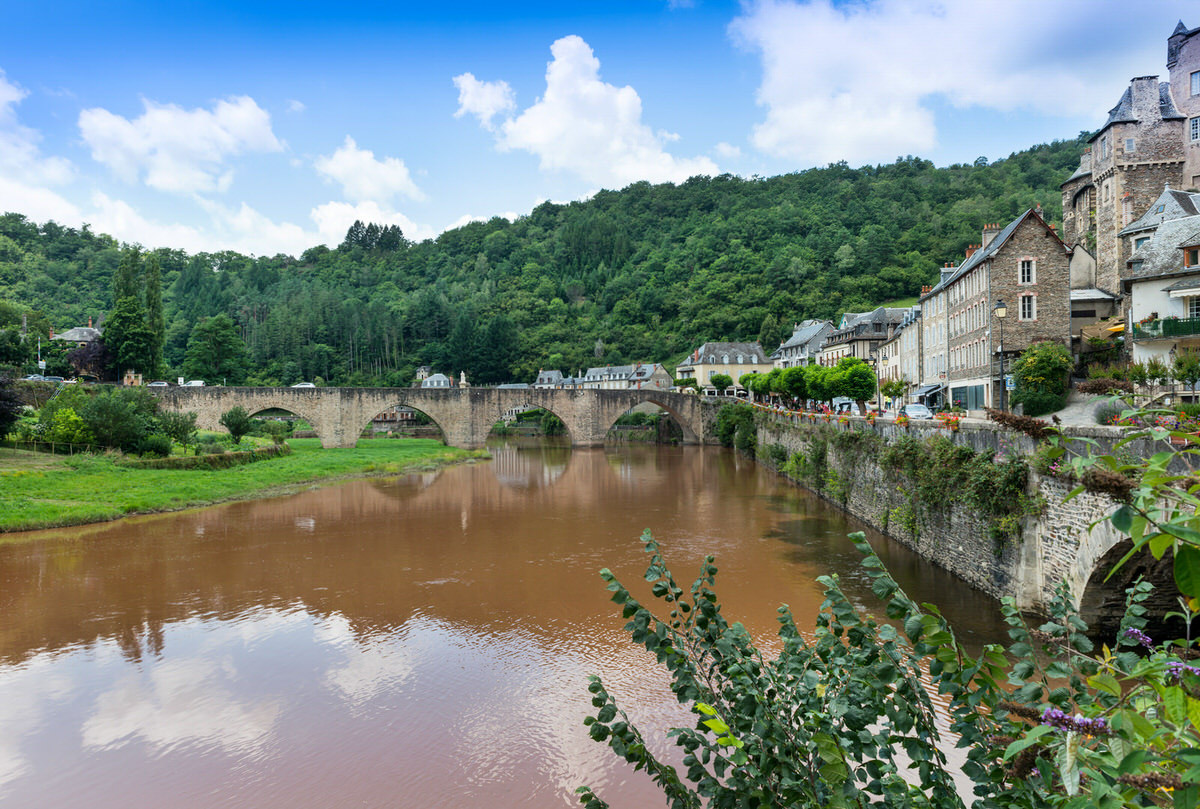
1162, 278
1150, 140
732, 359
803, 346
547, 380
642, 376
1026, 265
900, 357
860, 334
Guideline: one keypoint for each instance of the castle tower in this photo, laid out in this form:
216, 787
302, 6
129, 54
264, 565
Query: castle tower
1183, 62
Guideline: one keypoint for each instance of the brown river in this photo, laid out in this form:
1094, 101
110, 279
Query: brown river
420, 642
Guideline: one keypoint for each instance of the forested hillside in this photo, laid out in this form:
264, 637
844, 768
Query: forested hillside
645, 273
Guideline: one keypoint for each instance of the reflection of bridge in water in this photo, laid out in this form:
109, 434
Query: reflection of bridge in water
465, 416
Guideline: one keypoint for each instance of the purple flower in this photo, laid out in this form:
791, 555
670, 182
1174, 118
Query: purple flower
1175, 671
1138, 636
1056, 718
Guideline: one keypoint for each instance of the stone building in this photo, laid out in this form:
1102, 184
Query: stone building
1027, 266
641, 376
804, 345
1163, 283
732, 359
1150, 140
900, 357
860, 334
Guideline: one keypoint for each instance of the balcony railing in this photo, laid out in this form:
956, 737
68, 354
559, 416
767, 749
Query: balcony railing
1171, 327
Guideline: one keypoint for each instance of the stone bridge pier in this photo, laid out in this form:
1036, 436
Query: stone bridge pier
465, 415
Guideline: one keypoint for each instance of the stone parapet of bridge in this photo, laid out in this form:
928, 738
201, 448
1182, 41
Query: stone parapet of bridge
465, 415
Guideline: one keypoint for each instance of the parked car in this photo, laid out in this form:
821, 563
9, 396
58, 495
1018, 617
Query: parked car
194, 383
53, 379
157, 385
34, 378
304, 385
916, 411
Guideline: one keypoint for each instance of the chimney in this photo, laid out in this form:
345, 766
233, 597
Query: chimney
971, 248
1146, 99
926, 289
989, 233
1038, 210
89, 321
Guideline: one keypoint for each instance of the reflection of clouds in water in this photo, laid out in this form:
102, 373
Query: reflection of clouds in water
177, 702
369, 671
28, 690
308, 524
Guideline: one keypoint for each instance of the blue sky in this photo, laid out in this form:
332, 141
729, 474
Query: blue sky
269, 127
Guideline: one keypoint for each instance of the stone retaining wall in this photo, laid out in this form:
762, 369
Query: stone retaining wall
1066, 542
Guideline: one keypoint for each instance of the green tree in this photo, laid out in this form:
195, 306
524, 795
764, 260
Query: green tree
128, 339
216, 351
238, 422
155, 319
14, 351
720, 382
127, 281
1186, 367
794, 382
854, 379
179, 427
497, 350
894, 388
10, 406
119, 418
1041, 374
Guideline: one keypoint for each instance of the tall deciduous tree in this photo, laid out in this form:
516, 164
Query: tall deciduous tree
127, 281
216, 351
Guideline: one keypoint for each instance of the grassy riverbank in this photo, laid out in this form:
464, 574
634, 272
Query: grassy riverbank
47, 491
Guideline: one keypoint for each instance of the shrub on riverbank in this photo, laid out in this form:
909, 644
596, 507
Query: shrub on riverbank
221, 460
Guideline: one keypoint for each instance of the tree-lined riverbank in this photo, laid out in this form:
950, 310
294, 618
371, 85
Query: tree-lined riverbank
40, 491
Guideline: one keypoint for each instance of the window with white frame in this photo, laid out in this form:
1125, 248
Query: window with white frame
1129, 144
1193, 307
1196, 83
1027, 271
1194, 129
1028, 307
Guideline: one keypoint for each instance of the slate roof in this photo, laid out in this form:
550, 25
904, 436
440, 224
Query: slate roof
1084, 170
643, 371
549, 377
618, 371
1123, 112
436, 381
751, 352
1175, 204
79, 334
1161, 255
805, 332
1184, 283
1091, 294
984, 253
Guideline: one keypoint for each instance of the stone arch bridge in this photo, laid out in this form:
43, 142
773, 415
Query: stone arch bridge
465, 415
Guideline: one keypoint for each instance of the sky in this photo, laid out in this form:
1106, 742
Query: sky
269, 127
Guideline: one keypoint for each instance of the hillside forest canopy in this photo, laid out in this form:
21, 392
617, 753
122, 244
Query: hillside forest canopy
646, 273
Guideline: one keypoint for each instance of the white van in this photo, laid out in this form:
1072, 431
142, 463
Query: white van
194, 383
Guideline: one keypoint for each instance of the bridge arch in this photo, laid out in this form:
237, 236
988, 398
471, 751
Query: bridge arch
1102, 600
305, 413
674, 407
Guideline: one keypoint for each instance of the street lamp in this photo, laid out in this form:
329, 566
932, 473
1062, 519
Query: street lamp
1001, 311
879, 387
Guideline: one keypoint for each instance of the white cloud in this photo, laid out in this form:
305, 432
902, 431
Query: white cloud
333, 219
727, 150
120, 220
363, 178
296, 106
483, 99
21, 160
179, 150
856, 81
593, 129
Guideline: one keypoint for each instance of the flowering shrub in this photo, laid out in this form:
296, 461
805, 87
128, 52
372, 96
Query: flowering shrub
949, 420
902, 420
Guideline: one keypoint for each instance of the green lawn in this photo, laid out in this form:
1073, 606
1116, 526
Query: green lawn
50, 491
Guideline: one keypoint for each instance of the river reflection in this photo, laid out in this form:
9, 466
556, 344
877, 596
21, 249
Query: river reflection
415, 642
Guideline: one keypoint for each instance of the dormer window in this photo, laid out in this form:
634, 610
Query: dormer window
1191, 257
1140, 241
1160, 208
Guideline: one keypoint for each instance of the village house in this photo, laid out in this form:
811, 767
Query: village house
1163, 283
860, 334
900, 357
1021, 270
642, 376
735, 360
804, 345
437, 381
548, 380
1150, 140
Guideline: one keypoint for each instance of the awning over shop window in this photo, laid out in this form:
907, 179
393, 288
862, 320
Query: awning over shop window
926, 390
